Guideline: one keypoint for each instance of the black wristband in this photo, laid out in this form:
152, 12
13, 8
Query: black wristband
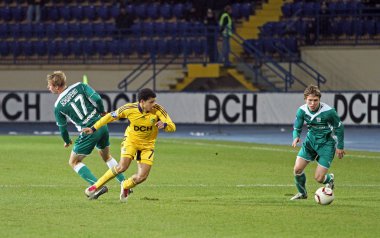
93, 129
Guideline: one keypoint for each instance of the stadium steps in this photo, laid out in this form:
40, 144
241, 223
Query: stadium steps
271, 11
198, 73
239, 76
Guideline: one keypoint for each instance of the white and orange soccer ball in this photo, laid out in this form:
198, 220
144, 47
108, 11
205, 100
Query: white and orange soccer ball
324, 196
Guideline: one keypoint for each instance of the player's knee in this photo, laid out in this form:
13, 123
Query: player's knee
297, 171
140, 178
319, 178
73, 162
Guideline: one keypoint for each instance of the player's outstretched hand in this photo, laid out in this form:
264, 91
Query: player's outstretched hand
296, 141
68, 144
340, 153
160, 125
87, 130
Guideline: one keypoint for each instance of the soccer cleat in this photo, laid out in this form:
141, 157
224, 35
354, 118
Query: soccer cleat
92, 193
124, 193
100, 192
299, 196
331, 183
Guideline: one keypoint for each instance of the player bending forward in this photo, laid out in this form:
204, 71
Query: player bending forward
146, 117
324, 138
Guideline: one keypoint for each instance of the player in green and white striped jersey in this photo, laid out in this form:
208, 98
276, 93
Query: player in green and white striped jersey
83, 106
324, 139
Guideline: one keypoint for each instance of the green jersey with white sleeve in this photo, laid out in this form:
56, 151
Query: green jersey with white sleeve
324, 125
80, 104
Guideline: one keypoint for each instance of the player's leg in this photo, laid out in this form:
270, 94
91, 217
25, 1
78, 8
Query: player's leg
326, 156
80, 168
145, 162
104, 151
300, 177
305, 155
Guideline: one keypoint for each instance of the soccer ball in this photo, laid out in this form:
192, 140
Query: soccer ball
324, 196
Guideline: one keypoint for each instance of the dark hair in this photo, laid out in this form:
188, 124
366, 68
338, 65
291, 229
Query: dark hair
145, 94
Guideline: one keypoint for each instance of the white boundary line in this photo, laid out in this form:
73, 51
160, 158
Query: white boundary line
183, 185
264, 148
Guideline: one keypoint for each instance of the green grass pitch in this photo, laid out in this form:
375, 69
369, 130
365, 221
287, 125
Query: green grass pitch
197, 188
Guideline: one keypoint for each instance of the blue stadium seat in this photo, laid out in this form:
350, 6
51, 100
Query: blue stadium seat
179, 10
347, 27
150, 46
115, 11
100, 29
15, 30
175, 47
172, 28
4, 48
103, 12
26, 30
51, 31
65, 13
160, 28
101, 47
16, 48
148, 29
75, 30
126, 47
4, 31
186, 47
77, 13
162, 47
64, 48
140, 47
53, 13
90, 12
287, 9
18, 13
6, 13
236, 12
198, 46
89, 47
246, 10
27, 48
114, 47
370, 27
311, 9
152, 11
140, 11
137, 29
76, 47
63, 29
87, 30
40, 47
39, 30
52, 48
165, 11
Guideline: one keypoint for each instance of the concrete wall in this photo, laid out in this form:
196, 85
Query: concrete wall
102, 78
346, 68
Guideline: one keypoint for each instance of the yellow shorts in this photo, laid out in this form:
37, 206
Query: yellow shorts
142, 154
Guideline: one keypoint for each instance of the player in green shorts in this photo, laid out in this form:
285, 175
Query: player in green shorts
80, 104
324, 139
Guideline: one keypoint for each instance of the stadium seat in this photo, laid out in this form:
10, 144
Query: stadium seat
369, 27
114, 47
89, 47
148, 29
126, 47
18, 13
39, 30
74, 30
140, 46
89, 12
101, 47
162, 47
115, 11
51, 31
76, 47
4, 31
103, 12
26, 30
87, 30
152, 11
100, 30
63, 29
52, 48
4, 48
77, 13
165, 11
16, 49
65, 13
27, 48
53, 13
140, 11
287, 10
160, 28
236, 13
64, 48
40, 47
246, 10
15, 30
6, 13
179, 10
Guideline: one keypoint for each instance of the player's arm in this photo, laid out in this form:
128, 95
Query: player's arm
62, 125
339, 133
93, 96
297, 127
165, 122
109, 117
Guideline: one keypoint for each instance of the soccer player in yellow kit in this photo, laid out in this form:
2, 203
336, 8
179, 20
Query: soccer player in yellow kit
146, 117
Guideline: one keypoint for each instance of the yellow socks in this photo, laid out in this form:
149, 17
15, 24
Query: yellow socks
110, 174
129, 183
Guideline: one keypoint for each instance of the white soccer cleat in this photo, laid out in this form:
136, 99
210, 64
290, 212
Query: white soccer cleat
299, 196
92, 193
331, 183
124, 193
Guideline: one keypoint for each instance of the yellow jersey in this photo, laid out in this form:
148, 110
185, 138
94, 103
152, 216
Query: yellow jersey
142, 129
